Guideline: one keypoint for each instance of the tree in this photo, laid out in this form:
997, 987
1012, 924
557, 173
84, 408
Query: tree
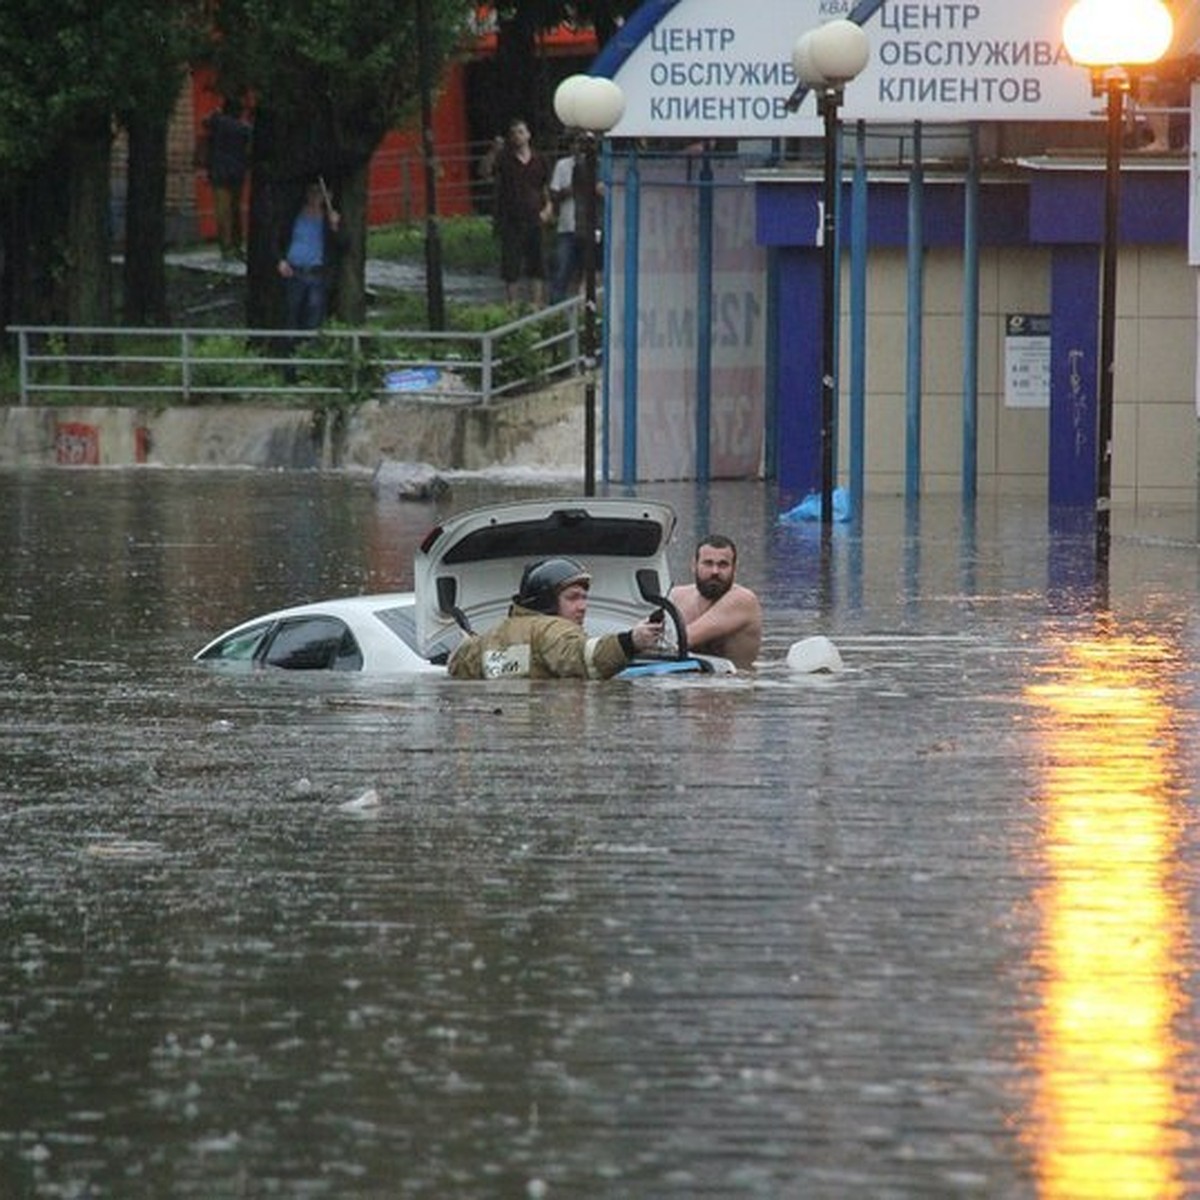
527, 90
330, 78
66, 71
153, 86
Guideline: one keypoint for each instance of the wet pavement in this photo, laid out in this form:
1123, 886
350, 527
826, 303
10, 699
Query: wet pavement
924, 928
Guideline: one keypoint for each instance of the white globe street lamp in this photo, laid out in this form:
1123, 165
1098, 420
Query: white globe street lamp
831, 54
592, 105
826, 59
1117, 33
1112, 38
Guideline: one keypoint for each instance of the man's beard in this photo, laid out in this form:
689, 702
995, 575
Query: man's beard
714, 587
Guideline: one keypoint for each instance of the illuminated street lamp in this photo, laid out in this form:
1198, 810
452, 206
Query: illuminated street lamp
1112, 38
592, 105
826, 59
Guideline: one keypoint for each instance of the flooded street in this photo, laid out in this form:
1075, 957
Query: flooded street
926, 928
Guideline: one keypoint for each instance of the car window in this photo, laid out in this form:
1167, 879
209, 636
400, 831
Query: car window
402, 621
238, 647
314, 644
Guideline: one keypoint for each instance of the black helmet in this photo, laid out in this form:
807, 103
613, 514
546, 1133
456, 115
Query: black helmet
542, 581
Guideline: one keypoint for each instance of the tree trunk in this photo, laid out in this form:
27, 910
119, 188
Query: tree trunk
264, 293
145, 278
519, 74
35, 261
88, 282
350, 296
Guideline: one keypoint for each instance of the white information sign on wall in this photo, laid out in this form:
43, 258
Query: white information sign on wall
709, 68
1027, 360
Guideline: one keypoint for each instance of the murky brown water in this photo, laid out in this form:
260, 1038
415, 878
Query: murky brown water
922, 929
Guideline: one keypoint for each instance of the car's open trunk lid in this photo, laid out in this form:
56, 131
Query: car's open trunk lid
473, 562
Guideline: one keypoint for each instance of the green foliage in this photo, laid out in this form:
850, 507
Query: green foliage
467, 243
223, 369
517, 353
403, 310
335, 75
70, 66
347, 367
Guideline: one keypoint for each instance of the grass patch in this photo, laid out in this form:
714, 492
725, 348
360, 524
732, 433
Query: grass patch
467, 243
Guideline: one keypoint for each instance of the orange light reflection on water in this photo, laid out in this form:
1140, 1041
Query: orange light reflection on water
1108, 1051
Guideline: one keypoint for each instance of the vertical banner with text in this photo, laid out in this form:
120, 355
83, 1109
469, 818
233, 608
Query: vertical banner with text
668, 339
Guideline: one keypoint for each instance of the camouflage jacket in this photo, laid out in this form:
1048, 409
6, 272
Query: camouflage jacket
531, 645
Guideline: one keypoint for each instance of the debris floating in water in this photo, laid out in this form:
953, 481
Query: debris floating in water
814, 654
368, 800
809, 509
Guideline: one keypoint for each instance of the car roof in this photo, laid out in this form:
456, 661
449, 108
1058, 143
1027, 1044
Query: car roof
383, 625
473, 562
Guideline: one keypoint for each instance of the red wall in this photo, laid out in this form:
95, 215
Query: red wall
396, 185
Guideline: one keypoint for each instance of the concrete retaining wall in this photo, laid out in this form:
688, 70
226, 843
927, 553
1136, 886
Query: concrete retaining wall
446, 435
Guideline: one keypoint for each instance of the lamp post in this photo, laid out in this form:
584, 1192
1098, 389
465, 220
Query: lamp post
592, 105
435, 298
1112, 38
825, 60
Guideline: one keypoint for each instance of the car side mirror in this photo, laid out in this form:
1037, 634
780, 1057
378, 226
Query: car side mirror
447, 596
649, 585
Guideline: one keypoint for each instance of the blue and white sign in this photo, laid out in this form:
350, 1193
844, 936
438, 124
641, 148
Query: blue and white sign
709, 68
1027, 360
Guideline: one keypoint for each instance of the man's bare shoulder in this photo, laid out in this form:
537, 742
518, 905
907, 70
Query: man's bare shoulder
686, 597
743, 597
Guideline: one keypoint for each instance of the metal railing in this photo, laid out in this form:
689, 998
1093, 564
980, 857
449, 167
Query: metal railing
70, 365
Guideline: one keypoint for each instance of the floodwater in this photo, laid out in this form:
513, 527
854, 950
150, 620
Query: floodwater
926, 928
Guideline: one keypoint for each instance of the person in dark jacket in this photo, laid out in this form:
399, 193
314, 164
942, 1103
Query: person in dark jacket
522, 206
543, 636
227, 151
307, 256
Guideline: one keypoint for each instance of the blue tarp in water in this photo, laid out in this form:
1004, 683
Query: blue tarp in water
809, 509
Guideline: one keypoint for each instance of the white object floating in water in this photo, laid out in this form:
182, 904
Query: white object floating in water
369, 799
812, 654
120, 849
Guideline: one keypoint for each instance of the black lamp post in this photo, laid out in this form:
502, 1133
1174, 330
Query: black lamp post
826, 59
594, 105
435, 297
1109, 37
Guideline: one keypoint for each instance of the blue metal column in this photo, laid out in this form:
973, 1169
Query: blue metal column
629, 421
771, 456
1074, 353
605, 299
970, 427
916, 295
704, 295
858, 322
799, 369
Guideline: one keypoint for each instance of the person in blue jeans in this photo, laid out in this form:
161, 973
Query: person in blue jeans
567, 251
313, 240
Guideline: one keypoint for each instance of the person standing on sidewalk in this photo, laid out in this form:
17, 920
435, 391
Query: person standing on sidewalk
521, 180
227, 152
307, 257
567, 253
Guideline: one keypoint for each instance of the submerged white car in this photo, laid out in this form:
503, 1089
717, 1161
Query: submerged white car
466, 572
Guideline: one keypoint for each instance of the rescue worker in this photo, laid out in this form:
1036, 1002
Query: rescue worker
543, 636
